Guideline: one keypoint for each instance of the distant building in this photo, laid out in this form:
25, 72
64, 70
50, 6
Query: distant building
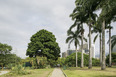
64, 54
85, 48
69, 52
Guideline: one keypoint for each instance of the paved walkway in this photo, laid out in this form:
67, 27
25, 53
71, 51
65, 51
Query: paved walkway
3, 72
57, 72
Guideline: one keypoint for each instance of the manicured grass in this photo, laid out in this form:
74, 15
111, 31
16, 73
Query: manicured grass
94, 72
33, 73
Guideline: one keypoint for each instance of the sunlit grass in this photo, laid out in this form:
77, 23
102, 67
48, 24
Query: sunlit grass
94, 72
33, 73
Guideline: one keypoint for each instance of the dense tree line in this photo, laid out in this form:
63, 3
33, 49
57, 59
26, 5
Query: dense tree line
69, 61
84, 13
7, 59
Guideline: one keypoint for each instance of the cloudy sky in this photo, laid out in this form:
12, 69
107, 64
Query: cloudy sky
20, 19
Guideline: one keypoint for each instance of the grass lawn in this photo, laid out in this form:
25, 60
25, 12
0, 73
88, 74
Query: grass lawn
33, 73
94, 72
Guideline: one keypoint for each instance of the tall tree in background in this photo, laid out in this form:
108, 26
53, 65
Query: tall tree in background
106, 16
113, 41
43, 43
98, 30
4, 50
84, 12
79, 18
74, 37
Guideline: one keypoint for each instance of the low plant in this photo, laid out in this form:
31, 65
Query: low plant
19, 69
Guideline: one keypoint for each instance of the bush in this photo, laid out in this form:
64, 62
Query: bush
95, 62
19, 70
9, 66
70, 60
42, 62
113, 58
52, 63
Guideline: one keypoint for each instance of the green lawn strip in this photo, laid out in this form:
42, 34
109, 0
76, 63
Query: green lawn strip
33, 73
94, 72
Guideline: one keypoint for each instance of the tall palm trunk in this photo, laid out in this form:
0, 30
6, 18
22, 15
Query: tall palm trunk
103, 67
110, 60
100, 49
82, 60
90, 53
76, 57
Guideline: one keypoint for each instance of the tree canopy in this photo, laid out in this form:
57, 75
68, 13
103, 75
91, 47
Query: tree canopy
5, 49
43, 43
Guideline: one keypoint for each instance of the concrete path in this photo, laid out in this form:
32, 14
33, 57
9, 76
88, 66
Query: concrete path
57, 72
3, 72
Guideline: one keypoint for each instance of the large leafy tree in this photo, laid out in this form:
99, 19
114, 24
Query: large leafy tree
43, 43
5, 49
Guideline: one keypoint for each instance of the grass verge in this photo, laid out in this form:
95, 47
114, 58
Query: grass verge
94, 72
33, 73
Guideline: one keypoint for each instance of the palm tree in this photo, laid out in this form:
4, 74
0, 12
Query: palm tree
98, 30
113, 41
110, 60
74, 36
109, 41
90, 18
79, 18
107, 15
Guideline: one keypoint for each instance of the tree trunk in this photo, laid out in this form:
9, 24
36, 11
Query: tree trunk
103, 67
2, 67
100, 49
76, 57
82, 59
110, 60
90, 53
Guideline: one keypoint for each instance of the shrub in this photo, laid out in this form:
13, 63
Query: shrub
41, 62
19, 70
9, 66
113, 58
70, 60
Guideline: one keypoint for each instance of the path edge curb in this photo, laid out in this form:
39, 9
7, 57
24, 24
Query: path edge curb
63, 72
50, 73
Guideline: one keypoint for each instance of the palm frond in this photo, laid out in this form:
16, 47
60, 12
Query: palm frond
95, 38
68, 39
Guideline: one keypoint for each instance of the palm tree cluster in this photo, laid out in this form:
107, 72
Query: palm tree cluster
85, 13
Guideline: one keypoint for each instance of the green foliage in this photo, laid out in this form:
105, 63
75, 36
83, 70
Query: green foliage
42, 62
5, 49
9, 60
113, 58
70, 60
43, 43
113, 41
52, 62
95, 62
19, 70
35, 62
61, 61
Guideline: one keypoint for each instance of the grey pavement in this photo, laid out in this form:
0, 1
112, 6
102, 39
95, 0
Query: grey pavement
57, 72
3, 72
